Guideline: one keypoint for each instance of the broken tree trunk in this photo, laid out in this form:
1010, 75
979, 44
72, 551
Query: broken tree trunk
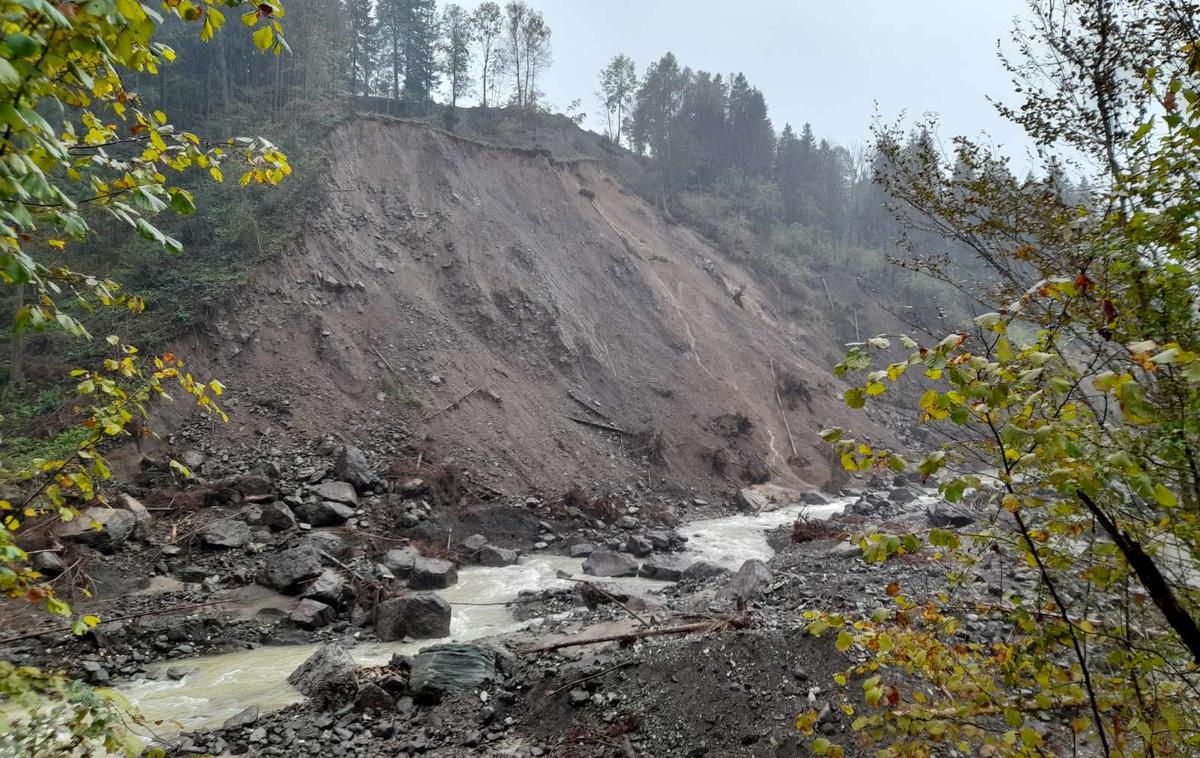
727, 622
598, 425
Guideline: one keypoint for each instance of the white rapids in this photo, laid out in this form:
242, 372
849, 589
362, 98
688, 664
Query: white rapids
218, 686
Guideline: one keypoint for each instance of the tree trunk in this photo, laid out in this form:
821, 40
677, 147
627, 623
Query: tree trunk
16, 370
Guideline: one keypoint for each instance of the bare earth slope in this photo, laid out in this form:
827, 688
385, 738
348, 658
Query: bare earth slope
439, 265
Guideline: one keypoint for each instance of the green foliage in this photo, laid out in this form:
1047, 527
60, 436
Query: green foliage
1073, 418
110, 157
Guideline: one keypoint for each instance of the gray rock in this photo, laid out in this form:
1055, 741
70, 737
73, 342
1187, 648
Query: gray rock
226, 533
338, 492
491, 555
421, 615
141, 516
351, 466
662, 539
47, 563
329, 588
703, 570
639, 545
578, 696
753, 501
627, 522
581, 549
285, 570
324, 513
608, 563
432, 574
312, 614
660, 567
372, 697
440, 669
902, 495
814, 497
400, 560
116, 527
326, 542
241, 719
193, 459
943, 516
276, 516
411, 488
749, 581
327, 677
474, 543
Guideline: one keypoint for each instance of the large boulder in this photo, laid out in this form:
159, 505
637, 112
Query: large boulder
490, 555
749, 582
338, 492
287, 569
400, 560
421, 615
581, 549
324, 513
703, 570
814, 497
327, 677
115, 528
276, 516
141, 515
608, 563
432, 574
312, 614
439, 669
329, 588
660, 567
351, 466
639, 545
226, 533
753, 501
945, 516
902, 495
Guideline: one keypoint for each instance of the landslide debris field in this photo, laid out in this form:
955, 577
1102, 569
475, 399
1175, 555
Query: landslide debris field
476, 299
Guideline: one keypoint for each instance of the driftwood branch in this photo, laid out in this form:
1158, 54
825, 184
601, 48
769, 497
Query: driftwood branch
587, 406
598, 425
589, 678
782, 410
386, 362
454, 404
728, 622
611, 597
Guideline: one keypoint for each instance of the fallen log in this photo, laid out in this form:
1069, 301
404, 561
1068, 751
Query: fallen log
727, 622
454, 404
598, 425
587, 406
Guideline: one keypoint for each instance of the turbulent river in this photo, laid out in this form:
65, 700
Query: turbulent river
219, 686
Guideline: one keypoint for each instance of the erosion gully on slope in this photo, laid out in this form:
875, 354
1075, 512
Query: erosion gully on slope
219, 686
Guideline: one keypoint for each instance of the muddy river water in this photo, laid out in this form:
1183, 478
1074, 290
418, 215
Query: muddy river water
219, 686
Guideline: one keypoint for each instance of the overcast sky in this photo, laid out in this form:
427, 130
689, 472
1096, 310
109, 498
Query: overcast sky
820, 61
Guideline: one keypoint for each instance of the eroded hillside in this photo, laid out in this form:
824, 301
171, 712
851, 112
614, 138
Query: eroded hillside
438, 265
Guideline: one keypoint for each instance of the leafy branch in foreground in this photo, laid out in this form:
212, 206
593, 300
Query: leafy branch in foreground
1072, 414
107, 154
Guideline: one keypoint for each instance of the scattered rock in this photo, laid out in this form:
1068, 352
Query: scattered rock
753, 501
439, 669
703, 570
400, 560
815, 497
329, 588
666, 569
372, 697
943, 515
902, 495
474, 543
432, 574
47, 563
116, 527
312, 614
608, 563
338, 492
491, 555
581, 549
241, 719
639, 546
285, 570
276, 516
749, 581
324, 513
327, 677
226, 533
578, 697
351, 466
141, 516
422, 615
